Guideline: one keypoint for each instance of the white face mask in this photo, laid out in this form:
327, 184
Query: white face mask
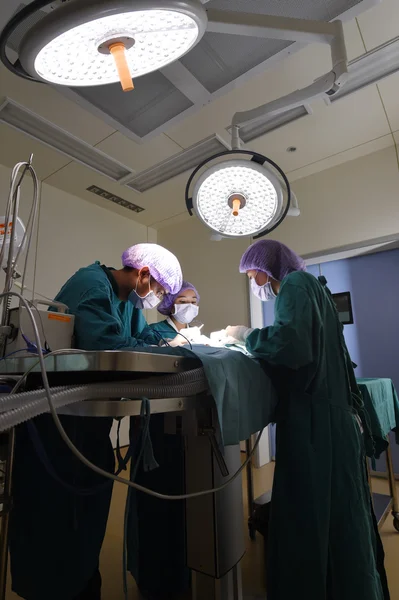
263, 292
148, 301
185, 313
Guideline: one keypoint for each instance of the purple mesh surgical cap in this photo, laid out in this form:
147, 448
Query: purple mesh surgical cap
163, 265
271, 257
166, 306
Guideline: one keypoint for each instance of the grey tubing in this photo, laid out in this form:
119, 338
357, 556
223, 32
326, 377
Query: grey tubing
30, 405
14, 401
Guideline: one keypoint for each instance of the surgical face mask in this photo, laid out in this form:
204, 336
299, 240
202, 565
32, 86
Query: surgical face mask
148, 301
263, 292
185, 313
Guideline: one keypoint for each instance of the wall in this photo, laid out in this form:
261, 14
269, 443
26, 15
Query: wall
373, 282
72, 234
346, 205
213, 268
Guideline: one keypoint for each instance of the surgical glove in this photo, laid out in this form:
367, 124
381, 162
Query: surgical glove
238, 333
192, 333
178, 341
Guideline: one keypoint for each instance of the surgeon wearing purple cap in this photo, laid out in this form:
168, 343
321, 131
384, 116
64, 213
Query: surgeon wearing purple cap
323, 537
56, 533
180, 310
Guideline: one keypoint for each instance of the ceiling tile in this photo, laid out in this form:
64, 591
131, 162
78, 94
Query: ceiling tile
352, 121
53, 106
154, 101
380, 24
75, 179
159, 203
139, 156
343, 157
389, 89
166, 200
353, 40
16, 147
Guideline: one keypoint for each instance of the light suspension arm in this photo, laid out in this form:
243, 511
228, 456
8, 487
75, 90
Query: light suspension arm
282, 28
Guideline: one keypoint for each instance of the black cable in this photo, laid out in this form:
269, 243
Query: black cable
187, 340
9, 29
162, 339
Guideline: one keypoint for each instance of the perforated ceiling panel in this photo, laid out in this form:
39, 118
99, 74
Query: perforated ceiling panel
218, 62
220, 59
154, 101
319, 10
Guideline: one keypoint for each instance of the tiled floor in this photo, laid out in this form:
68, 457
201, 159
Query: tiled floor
253, 570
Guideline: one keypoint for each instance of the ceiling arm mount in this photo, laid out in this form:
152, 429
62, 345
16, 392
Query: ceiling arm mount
296, 30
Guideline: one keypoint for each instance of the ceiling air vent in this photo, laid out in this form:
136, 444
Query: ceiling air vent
177, 164
94, 189
51, 135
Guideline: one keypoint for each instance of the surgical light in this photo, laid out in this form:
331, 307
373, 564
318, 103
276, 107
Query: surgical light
100, 42
238, 197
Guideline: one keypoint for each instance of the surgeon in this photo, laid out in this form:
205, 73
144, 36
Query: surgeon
323, 540
159, 520
180, 310
60, 506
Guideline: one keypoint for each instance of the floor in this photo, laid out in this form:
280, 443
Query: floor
252, 564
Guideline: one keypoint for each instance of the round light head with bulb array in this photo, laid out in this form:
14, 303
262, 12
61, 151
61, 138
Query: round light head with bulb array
239, 197
69, 46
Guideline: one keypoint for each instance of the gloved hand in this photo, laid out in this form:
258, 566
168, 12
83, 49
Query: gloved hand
179, 340
238, 333
192, 333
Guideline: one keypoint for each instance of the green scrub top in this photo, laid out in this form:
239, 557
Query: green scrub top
55, 534
102, 321
163, 329
324, 543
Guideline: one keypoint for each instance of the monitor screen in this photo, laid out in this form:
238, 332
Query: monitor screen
344, 307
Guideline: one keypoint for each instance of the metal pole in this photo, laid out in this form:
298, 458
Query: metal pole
6, 515
392, 484
250, 488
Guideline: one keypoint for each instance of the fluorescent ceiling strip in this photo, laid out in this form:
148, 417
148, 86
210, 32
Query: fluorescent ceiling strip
51, 135
370, 68
256, 129
177, 164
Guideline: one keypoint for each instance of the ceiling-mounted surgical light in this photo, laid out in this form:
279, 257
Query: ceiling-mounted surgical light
241, 196
98, 42
245, 198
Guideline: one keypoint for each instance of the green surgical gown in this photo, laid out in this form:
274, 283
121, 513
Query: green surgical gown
55, 534
323, 542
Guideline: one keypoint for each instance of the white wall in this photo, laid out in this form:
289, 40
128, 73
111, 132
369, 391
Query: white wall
348, 204
73, 234
213, 268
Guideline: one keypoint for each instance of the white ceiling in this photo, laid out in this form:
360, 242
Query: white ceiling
359, 124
